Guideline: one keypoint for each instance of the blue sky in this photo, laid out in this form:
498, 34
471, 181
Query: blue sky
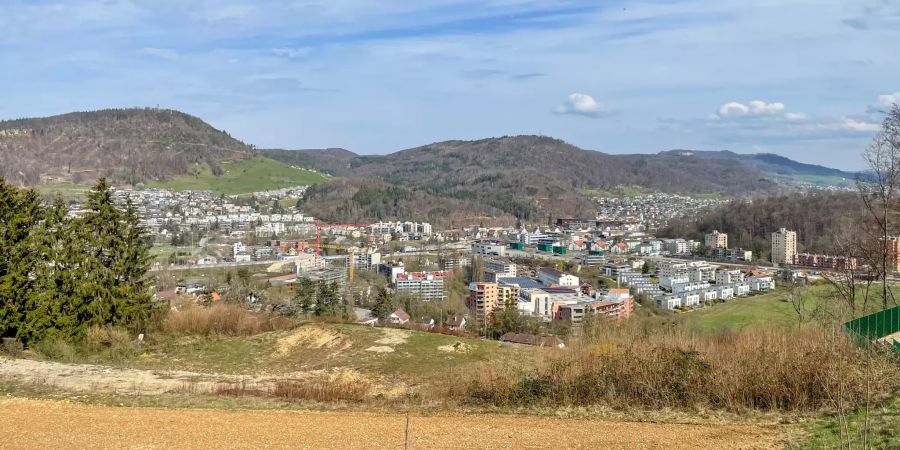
802, 78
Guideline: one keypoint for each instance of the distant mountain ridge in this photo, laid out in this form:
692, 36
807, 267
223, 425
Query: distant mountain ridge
127, 145
766, 163
530, 178
506, 179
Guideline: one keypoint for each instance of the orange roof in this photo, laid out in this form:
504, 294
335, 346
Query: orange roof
619, 291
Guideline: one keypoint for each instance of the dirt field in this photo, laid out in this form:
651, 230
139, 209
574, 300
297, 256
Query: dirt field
54, 424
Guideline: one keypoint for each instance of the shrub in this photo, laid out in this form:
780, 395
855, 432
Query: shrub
323, 390
12, 347
628, 365
228, 320
56, 349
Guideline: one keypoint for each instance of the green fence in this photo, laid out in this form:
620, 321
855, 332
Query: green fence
875, 326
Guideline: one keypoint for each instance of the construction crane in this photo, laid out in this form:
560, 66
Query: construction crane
351, 256
319, 227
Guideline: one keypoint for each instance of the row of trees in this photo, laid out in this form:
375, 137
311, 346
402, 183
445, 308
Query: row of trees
323, 299
60, 275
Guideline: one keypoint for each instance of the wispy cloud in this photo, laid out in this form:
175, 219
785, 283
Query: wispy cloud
391, 74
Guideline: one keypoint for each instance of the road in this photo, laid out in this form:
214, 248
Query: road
27, 424
211, 266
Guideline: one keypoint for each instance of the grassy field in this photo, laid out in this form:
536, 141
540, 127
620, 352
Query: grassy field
67, 191
410, 355
884, 429
766, 310
822, 180
242, 177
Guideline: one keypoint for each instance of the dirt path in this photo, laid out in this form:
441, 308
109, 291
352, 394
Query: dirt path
54, 424
111, 380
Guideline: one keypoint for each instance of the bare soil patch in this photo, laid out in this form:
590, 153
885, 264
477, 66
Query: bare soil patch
27, 424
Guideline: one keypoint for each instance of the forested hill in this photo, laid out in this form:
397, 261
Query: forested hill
815, 216
768, 163
529, 178
123, 144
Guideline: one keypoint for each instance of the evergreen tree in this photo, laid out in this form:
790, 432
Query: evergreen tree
305, 296
54, 307
384, 304
327, 299
59, 276
19, 214
135, 301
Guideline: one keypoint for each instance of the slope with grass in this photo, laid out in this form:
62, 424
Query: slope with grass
242, 177
379, 352
773, 310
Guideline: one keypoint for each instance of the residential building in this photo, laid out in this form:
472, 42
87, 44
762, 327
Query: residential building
700, 271
689, 287
456, 323
624, 303
483, 300
368, 260
422, 285
671, 269
729, 276
489, 248
894, 249
454, 262
500, 268
550, 276
784, 246
399, 317
668, 301
761, 283
824, 261
716, 239
392, 271
593, 260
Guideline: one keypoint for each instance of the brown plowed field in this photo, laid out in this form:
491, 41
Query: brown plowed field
31, 424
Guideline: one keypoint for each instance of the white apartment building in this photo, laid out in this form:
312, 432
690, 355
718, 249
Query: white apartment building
725, 292
729, 276
784, 246
700, 271
669, 301
422, 285
668, 282
761, 283
489, 248
681, 288
550, 276
369, 260
671, 269
501, 267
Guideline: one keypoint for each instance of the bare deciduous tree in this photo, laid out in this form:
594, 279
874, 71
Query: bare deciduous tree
880, 191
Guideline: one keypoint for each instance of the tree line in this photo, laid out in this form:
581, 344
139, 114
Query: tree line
62, 274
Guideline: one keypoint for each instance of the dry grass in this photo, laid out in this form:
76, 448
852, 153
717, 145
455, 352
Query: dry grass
225, 320
334, 390
339, 387
631, 366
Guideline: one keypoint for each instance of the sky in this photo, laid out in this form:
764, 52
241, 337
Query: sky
807, 79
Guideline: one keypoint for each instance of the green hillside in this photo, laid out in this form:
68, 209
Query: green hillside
242, 177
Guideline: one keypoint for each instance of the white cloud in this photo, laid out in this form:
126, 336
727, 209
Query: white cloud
795, 116
755, 108
855, 125
889, 99
732, 108
582, 105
